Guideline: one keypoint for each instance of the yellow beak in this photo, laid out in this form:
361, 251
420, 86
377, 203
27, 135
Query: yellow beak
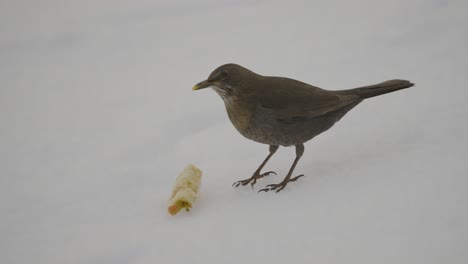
203, 84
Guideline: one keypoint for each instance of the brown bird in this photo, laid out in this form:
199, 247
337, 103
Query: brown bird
282, 111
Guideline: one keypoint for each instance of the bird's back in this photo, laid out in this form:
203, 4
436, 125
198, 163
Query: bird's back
282, 111
289, 98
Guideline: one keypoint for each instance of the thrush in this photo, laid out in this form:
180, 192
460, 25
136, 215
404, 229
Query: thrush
280, 111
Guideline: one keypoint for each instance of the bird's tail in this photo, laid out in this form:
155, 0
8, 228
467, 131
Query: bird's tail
378, 89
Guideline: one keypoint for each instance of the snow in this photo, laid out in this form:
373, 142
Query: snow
97, 119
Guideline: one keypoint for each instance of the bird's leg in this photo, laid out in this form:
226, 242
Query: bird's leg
280, 186
257, 175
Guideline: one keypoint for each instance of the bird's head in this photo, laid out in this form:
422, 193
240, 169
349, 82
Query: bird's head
228, 80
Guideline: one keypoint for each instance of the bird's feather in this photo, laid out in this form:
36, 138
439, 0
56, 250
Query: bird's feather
288, 99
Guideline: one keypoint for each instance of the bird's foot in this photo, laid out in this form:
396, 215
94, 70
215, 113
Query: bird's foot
252, 180
280, 186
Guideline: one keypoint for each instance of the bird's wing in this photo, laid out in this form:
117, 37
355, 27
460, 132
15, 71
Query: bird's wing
288, 99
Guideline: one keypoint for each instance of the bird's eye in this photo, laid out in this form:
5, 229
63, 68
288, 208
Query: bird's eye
224, 74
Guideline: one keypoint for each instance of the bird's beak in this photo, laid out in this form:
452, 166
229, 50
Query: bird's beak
201, 85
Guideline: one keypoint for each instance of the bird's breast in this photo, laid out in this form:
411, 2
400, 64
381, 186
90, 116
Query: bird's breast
250, 122
240, 115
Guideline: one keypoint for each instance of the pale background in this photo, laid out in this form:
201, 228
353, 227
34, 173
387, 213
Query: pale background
97, 118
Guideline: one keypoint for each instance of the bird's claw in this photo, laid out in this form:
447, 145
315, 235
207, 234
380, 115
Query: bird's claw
272, 187
252, 180
277, 187
238, 183
295, 178
266, 174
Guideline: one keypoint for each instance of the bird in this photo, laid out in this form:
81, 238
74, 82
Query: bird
280, 111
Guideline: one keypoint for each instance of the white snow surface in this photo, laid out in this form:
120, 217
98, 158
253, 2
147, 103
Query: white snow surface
98, 118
